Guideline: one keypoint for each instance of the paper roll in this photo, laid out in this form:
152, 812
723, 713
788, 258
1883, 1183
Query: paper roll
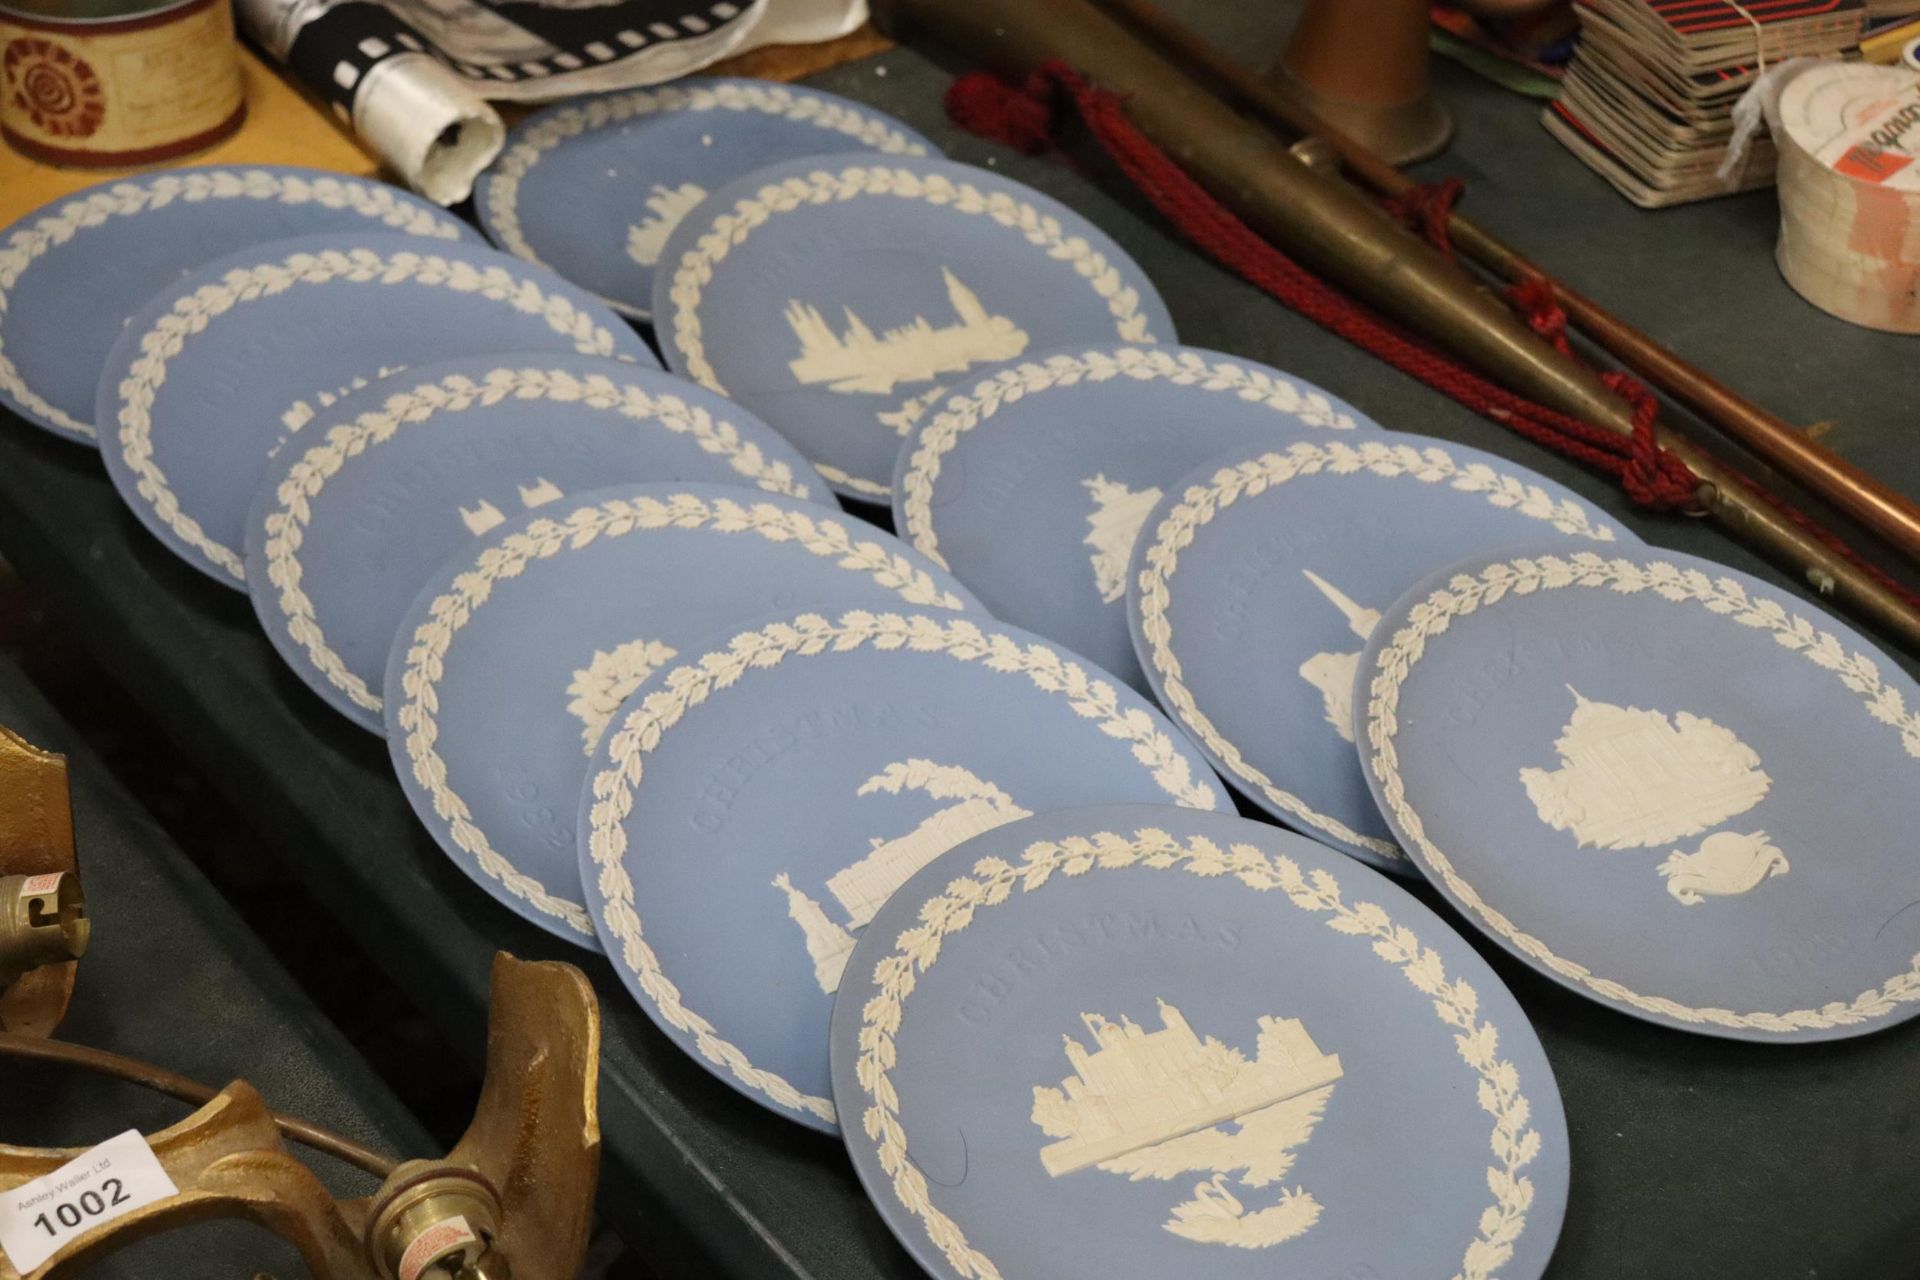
424, 122
413, 77
1849, 142
379, 75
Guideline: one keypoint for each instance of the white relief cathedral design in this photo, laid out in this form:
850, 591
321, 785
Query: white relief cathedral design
1157, 1105
666, 207
487, 517
859, 360
1333, 673
861, 889
1634, 779
1113, 526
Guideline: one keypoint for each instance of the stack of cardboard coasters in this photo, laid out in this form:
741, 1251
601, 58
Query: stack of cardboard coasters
1648, 100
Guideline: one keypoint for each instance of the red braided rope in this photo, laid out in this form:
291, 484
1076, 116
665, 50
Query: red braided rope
1026, 118
1428, 208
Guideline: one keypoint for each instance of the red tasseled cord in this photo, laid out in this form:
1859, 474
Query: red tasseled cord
1025, 117
984, 105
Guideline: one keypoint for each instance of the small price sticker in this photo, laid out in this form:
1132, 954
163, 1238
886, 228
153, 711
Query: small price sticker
434, 1244
35, 885
107, 1182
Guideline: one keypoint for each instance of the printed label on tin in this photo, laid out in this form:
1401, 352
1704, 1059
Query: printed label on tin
124, 91
1866, 121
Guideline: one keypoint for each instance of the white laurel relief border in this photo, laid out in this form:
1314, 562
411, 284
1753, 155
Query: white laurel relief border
855, 484
690, 684
993, 882
286, 526
1200, 503
373, 200
1724, 597
502, 192
545, 539
962, 413
729, 230
192, 312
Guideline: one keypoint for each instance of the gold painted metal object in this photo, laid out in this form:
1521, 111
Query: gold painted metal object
43, 913
512, 1201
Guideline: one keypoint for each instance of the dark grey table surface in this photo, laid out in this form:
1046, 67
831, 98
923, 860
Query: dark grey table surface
176, 978
1692, 1156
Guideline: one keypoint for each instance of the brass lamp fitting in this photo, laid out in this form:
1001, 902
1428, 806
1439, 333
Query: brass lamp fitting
433, 1223
43, 921
43, 913
517, 1189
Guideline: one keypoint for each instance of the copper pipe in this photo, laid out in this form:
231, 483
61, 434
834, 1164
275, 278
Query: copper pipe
1851, 490
161, 1080
1337, 231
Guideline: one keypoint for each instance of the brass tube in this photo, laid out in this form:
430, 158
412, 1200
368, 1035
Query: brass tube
1851, 491
1340, 233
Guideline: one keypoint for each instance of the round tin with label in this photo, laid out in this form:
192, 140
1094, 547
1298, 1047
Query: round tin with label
117, 82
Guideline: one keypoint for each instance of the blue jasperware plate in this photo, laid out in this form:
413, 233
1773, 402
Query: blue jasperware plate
752, 807
72, 271
1664, 783
839, 297
214, 372
1032, 480
517, 652
1139, 1041
593, 187
379, 490
1258, 578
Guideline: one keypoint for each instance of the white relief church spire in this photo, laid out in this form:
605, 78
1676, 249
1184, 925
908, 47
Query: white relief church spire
1333, 673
